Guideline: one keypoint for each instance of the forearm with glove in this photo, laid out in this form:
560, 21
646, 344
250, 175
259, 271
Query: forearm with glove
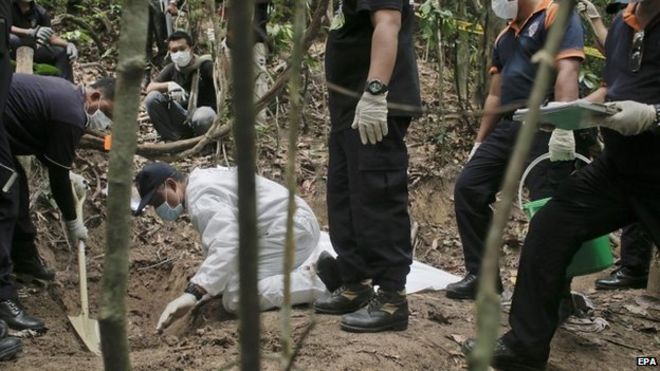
176, 92
371, 117
178, 307
562, 145
60, 185
41, 35
633, 118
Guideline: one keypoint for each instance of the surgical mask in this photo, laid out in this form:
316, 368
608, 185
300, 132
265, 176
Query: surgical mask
181, 59
169, 213
505, 9
98, 120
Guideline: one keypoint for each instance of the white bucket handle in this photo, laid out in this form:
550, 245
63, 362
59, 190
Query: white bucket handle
532, 165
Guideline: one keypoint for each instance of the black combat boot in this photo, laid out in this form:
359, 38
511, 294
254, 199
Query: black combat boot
12, 312
387, 311
504, 358
623, 278
328, 271
346, 299
32, 268
9, 346
467, 288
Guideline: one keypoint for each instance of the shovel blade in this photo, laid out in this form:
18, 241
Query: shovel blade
88, 331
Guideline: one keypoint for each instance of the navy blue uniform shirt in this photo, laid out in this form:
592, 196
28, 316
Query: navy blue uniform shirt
45, 116
640, 153
348, 57
514, 48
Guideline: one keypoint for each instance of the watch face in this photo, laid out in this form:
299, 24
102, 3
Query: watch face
375, 87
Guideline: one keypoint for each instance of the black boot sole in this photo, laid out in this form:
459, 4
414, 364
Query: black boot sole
333, 311
396, 326
26, 278
633, 286
460, 295
7, 354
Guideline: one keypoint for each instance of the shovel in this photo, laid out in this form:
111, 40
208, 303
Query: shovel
87, 328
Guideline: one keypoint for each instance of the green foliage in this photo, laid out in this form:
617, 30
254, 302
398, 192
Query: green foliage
41, 69
589, 79
280, 34
431, 17
77, 36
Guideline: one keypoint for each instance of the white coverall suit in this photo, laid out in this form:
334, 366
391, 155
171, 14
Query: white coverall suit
212, 203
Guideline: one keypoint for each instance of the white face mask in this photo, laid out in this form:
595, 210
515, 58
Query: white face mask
505, 9
169, 213
98, 120
181, 59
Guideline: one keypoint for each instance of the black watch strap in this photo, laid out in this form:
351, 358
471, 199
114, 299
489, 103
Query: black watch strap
194, 290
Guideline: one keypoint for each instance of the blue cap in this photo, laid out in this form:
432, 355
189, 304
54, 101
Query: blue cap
149, 179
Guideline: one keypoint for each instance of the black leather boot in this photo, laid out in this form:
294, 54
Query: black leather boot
9, 346
346, 299
12, 312
387, 311
467, 287
504, 358
33, 269
328, 271
623, 278
28, 265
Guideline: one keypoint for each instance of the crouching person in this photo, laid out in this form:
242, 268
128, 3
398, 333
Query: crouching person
210, 197
181, 101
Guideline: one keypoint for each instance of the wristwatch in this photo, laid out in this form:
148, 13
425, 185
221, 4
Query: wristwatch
656, 125
376, 87
195, 290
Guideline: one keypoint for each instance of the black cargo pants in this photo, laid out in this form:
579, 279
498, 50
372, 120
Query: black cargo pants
367, 199
595, 201
8, 200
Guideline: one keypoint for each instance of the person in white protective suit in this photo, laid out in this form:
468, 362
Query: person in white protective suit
210, 198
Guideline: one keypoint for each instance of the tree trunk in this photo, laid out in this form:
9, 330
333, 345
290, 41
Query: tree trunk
488, 303
244, 134
441, 65
653, 286
491, 30
294, 123
462, 66
112, 316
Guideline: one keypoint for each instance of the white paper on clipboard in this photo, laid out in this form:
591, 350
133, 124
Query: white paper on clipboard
571, 115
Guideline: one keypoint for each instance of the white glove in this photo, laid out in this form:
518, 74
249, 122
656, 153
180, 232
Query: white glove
587, 9
176, 92
562, 145
75, 231
42, 34
473, 150
176, 309
634, 118
80, 185
371, 117
71, 51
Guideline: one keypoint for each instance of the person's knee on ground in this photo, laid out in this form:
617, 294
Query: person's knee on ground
63, 63
202, 120
153, 99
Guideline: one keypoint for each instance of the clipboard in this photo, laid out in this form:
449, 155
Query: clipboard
570, 116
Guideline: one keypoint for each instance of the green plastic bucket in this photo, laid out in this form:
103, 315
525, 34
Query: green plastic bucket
594, 255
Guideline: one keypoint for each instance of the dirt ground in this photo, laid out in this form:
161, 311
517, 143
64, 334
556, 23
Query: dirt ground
164, 255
